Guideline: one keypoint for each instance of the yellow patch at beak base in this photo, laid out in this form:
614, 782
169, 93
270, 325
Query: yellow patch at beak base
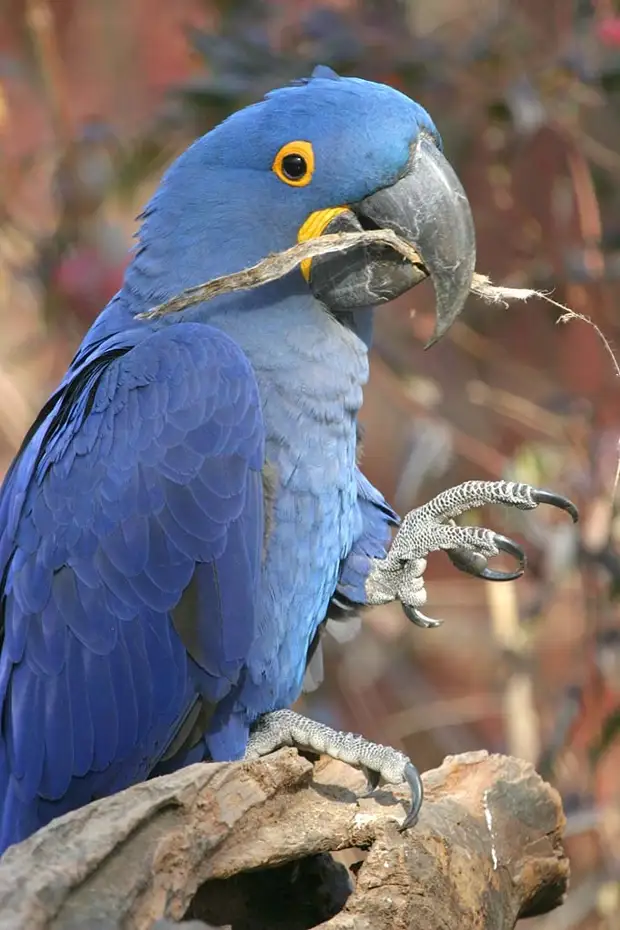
313, 228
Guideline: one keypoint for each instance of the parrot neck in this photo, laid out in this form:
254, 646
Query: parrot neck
308, 365
193, 232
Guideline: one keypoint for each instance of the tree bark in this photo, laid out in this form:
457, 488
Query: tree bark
246, 845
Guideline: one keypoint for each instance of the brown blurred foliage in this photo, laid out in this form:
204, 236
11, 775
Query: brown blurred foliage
97, 96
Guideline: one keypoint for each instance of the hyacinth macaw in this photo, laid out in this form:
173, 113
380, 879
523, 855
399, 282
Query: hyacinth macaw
187, 508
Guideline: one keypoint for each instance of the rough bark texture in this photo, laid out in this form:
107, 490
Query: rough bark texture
246, 845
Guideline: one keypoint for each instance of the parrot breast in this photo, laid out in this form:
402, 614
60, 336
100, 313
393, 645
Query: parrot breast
311, 392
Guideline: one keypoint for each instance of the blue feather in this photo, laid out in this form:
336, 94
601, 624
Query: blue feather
58, 763
99, 673
91, 578
378, 520
81, 717
25, 744
47, 642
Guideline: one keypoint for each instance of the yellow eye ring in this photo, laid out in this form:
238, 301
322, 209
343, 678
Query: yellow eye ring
294, 163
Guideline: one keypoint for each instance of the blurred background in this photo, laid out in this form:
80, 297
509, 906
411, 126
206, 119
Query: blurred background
96, 97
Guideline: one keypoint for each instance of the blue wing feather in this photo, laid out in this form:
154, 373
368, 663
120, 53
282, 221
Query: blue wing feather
378, 518
140, 479
342, 621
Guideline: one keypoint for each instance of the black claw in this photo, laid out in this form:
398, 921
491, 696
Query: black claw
416, 616
556, 500
412, 777
466, 560
372, 781
510, 546
489, 574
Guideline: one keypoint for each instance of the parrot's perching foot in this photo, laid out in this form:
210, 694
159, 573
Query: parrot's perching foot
431, 527
287, 728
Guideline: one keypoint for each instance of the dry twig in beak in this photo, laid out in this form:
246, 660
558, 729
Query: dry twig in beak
281, 263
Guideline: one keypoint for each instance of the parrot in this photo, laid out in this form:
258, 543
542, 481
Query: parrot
187, 512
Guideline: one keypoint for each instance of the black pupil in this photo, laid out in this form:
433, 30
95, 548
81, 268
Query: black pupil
294, 167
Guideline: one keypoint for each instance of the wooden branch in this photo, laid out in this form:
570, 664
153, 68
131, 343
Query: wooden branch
487, 850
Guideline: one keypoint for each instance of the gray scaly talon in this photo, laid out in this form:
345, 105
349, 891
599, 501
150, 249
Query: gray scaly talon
431, 527
287, 728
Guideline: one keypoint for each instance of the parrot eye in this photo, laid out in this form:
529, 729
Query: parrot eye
294, 167
294, 163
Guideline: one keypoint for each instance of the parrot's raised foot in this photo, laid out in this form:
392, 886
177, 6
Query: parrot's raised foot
287, 728
431, 527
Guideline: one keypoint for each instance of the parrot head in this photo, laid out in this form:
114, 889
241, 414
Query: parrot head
323, 155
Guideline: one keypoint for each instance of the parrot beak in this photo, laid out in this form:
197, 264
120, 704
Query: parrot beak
428, 208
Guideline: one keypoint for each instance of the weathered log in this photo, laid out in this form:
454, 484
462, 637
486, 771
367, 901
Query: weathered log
486, 851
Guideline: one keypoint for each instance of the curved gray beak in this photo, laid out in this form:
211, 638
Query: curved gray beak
429, 209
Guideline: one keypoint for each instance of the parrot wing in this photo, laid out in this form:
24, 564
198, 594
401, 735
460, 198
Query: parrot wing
343, 621
131, 535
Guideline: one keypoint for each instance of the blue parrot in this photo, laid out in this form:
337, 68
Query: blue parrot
187, 510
